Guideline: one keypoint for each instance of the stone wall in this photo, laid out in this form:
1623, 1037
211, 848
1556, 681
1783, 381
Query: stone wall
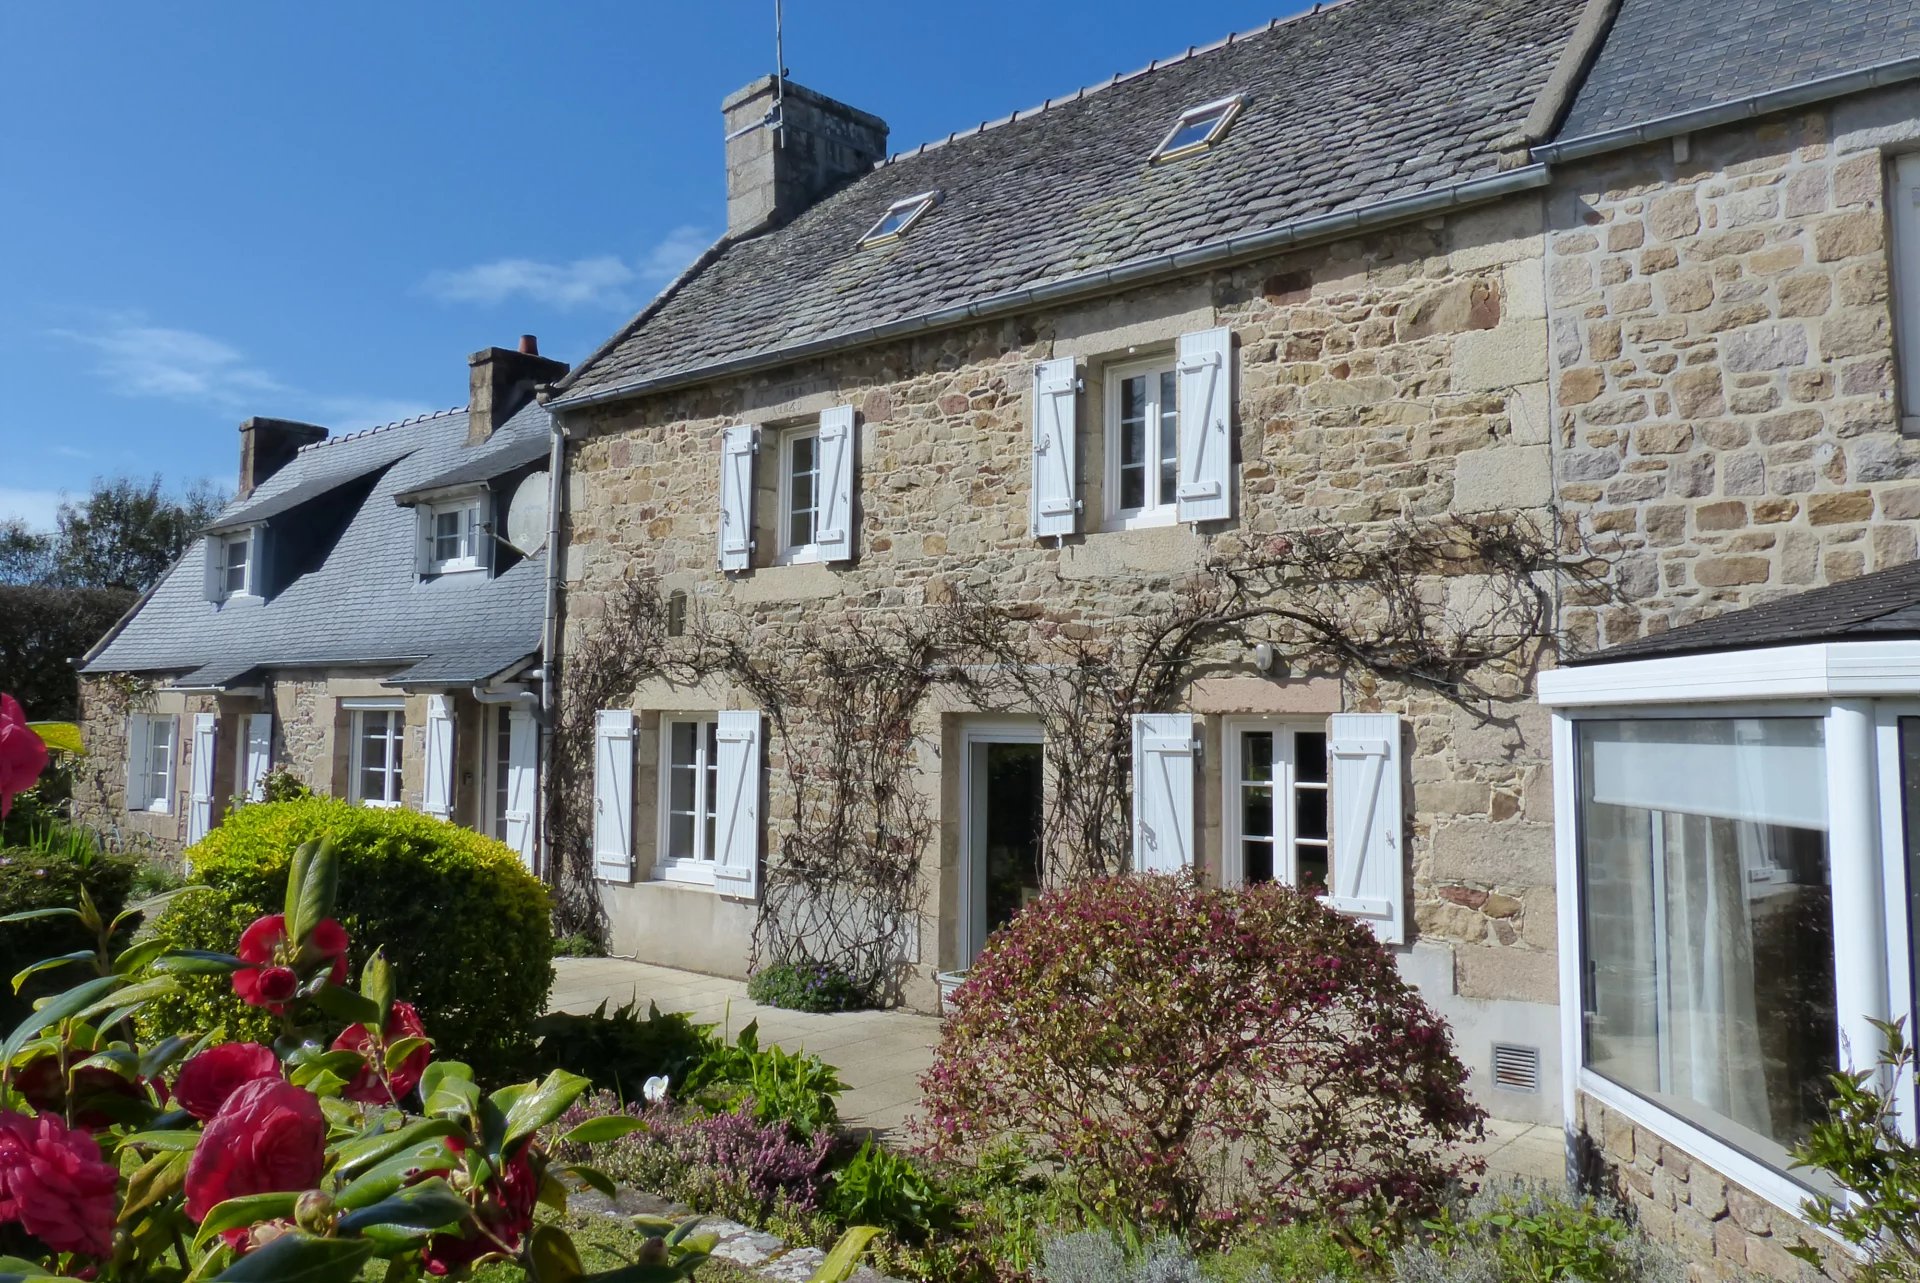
1399, 375
1723, 364
1722, 1229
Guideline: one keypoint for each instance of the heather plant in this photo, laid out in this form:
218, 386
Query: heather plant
1194, 1058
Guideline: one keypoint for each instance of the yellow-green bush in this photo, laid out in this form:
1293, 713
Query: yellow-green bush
463, 922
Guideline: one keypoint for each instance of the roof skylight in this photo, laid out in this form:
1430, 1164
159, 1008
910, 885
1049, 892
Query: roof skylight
1198, 127
900, 215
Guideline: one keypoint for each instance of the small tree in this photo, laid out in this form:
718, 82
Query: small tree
126, 533
1193, 1058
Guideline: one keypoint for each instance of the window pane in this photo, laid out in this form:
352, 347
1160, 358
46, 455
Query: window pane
502, 761
713, 787
1707, 924
1258, 857
1256, 811
1169, 438
1311, 862
680, 836
396, 740
1133, 442
802, 485
1256, 755
1310, 757
1310, 813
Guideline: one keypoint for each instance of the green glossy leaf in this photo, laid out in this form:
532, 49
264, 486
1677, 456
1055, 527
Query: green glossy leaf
160, 1055
138, 956
61, 1007
355, 1156
430, 1205
844, 1259
299, 1258
382, 1178
345, 1005
592, 1176
30, 915
595, 1130
143, 909
400, 1048
534, 1109
312, 886
153, 1182
552, 1257
296, 882
196, 962
377, 983
48, 964
237, 1213
172, 1142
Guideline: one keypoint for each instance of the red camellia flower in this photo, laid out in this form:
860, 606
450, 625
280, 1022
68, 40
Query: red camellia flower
208, 1079
504, 1205
402, 1022
54, 1185
23, 754
269, 1138
270, 978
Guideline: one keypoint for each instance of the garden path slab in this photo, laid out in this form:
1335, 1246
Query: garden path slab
881, 1054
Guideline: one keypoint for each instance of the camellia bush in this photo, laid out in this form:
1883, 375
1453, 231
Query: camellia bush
1194, 1059
466, 927
342, 1143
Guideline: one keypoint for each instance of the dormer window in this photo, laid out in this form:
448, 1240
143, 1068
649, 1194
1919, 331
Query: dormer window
451, 537
900, 215
1197, 129
233, 565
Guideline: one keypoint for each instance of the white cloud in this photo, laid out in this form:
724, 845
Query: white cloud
35, 507
602, 281
141, 360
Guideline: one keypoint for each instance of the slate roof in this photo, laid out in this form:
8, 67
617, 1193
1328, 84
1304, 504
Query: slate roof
1662, 57
1354, 104
1876, 607
364, 603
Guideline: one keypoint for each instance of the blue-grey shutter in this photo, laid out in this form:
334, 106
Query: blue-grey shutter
838, 442
736, 869
613, 794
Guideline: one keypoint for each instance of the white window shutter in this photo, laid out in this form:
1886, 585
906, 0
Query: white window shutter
1162, 792
200, 796
522, 786
738, 445
213, 568
1369, 867
139, 741
438, 796
1056, 493
1205, 492
736, 869
613, 794
1906, 283
256, 757
837, 450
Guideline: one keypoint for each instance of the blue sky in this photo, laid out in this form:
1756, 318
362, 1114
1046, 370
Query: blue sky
219, 209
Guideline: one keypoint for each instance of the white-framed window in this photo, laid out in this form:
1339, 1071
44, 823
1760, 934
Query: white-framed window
501, 762
1142, 443
689, 798
900, 216
800, 495
1277, 808
153, 741
379, 732
237, 568
1904, 210
1738, 890
1198, 128
452, 537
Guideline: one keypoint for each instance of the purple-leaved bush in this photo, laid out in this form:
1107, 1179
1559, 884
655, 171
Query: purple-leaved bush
1196, 1059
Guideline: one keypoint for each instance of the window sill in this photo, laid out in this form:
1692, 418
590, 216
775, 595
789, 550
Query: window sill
378, 806
450, 571
807, 556
692, 873
1143, 519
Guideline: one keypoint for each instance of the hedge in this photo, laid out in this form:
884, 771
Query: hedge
35, 879
466, 927
42, 631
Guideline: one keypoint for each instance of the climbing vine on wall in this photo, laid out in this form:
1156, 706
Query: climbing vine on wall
1462, 607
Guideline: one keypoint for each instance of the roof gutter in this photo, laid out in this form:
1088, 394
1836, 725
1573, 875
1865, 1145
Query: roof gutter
1893, 72
1325, 227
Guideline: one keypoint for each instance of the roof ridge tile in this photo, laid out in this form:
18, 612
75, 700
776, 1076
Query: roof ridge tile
378, 428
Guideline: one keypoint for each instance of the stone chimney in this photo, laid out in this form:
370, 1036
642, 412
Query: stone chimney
502, 382
268, 445
812, 146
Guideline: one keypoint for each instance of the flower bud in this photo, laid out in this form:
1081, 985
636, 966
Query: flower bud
313, 1211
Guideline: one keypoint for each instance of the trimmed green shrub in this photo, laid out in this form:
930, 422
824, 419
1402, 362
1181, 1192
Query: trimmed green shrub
807, 986
464, 924
51, 878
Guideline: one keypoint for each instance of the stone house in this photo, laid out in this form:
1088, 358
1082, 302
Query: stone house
365, 615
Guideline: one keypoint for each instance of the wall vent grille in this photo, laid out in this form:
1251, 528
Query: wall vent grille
1516, 1068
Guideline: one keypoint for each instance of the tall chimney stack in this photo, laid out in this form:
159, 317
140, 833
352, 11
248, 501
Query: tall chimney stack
268, 445
787, 147
501, 382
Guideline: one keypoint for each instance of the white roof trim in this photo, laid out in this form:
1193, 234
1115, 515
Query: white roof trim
1829, 670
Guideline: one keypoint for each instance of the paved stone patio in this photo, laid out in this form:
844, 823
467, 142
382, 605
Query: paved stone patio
881, 1054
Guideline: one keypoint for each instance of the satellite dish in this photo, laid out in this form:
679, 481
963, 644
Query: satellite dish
527, 514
